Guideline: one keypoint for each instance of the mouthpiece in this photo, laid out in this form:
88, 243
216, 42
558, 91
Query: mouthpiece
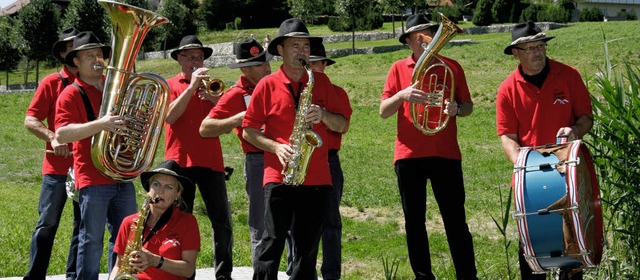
98, 66
154, 200
193, 69
303, 62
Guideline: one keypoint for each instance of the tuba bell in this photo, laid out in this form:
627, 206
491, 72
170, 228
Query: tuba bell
430, 118
141, 99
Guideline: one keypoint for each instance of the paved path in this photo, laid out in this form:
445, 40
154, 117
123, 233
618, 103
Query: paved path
239, 273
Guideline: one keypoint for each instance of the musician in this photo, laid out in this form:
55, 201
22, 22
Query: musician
101, 199
437, 158
541, 100
170, 238
56, 164
253, 60
268, 125
331, 244
200, 157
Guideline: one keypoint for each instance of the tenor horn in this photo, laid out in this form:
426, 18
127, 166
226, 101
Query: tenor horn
141, 99
430, 118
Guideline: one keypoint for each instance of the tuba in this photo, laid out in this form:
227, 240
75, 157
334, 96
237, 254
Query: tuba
430, 118
134, 243
141, 99
302, 140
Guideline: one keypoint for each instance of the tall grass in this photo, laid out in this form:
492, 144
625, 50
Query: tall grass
373, 226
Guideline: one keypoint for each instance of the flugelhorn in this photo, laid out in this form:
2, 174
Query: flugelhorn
141, 99
430, 118
211, 86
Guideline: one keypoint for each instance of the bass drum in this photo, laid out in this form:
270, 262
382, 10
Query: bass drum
557, 207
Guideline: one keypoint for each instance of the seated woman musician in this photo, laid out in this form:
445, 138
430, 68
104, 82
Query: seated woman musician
160, 241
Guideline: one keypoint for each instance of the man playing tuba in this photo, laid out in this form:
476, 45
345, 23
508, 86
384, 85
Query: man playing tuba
419, 157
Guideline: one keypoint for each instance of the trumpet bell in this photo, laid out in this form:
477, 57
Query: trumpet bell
213, 87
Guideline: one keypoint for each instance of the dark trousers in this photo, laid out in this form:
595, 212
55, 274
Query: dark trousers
301, 209
527, 274
53, 197
213, 190
331, 236
448, 188
253, 173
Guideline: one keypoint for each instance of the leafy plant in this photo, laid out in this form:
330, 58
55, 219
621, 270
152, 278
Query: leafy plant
390, 267
502, 227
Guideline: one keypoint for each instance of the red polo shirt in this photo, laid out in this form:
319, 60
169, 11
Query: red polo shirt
179, 234
272, 105
70, 109
183, 142
43, 107
536, 114
234, 101
334, 138
410, 142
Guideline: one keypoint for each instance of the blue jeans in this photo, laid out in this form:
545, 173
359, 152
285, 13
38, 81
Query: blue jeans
331, 244
50, 206
100, 205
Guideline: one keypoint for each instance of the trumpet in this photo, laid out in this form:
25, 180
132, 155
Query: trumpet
211, 86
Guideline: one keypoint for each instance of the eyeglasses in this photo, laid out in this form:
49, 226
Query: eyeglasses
193, 58
541, 48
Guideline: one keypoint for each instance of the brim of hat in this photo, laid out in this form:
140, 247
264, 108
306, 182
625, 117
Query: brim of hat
58, 47
273, 46
145, 176
509, 49
314, 58
403, 36
207, 52
106, 53
253, 62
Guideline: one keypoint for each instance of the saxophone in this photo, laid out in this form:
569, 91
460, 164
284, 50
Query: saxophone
303, 140
127, 271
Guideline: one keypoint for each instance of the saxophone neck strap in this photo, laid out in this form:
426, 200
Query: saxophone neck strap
296, 97
164, 219
87, 103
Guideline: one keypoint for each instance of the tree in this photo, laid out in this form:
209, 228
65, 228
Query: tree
501, 11
151, 38
306, 10
351, 10
9, 53
89, 16
38, 24
217, 13
180, 23
482, 15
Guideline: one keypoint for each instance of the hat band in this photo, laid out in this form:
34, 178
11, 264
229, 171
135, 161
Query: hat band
419, 27
190, 46
89, 46
68, 38
251, 58
293, 34
528, 38
169, 171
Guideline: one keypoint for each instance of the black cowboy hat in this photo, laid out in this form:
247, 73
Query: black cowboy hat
169, 167
525, 33
249, 53
86, 40
417, 22
191, 42
319, 54
61, 45
292, 28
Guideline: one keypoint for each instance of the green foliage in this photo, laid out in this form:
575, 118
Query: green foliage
616, 138
454, 13
306, 10
9, 52
38, 24
356, 15
554, 13
530, 13
482, 16
181, 23
591, 14
89, 16
501, 11
216, 13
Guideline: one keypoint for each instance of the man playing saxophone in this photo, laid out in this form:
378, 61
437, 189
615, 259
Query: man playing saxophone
437, 158
102, 199
275, 106
162, 243
200, 158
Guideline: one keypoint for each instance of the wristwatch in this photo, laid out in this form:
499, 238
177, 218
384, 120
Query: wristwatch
160, 263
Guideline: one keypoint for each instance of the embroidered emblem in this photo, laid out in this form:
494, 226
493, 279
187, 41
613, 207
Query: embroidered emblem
173, 242
559, 98
254, 51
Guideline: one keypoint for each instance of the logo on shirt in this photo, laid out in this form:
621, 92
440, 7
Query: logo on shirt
173, 242
560, 98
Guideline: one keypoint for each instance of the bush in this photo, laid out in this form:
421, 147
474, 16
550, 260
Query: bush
454, 13
501, 11
371, 18
554, 13
530, 13
591, 14
482, 16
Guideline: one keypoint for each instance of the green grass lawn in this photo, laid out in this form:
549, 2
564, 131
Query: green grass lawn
372, 216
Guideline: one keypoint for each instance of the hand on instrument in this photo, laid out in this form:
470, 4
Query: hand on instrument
284, 153
60, 149
113, 123
197, 76
141, 260
450, 108
570, 132
413, 94
315, 114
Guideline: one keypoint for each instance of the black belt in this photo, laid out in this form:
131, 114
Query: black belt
333, 152
255, 153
